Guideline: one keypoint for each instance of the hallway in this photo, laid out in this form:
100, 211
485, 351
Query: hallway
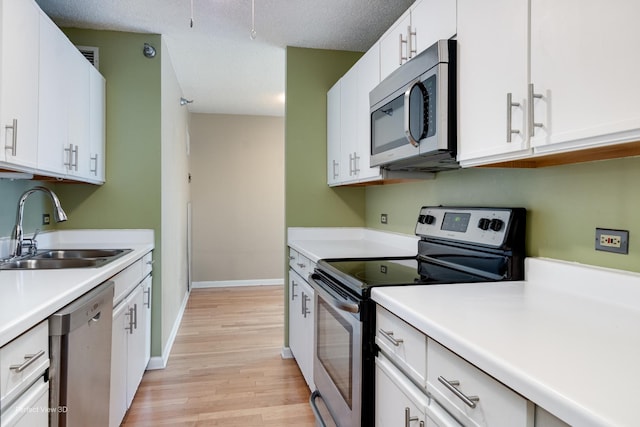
225, 367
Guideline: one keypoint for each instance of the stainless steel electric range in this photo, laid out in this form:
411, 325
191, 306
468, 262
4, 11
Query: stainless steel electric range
457, 245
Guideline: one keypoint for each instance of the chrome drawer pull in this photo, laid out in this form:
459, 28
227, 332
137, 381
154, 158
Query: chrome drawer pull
30, 358
470, 401
408, 418
389, 335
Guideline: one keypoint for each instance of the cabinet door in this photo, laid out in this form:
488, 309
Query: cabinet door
492, 63
20, 40
145, 318
136, 343
393, 45
119, 337
583, 63
96, 152
308, 332
395, 395
54, 150
368, 78
348, 128
432, 20
79, 106
333, 134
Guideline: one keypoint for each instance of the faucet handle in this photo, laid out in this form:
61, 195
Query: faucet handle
31, 243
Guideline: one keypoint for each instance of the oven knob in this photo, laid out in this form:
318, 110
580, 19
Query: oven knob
429, 219
496, 224
483, 224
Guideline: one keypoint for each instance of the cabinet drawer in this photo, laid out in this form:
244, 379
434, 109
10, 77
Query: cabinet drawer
126, 280
495, 404
300, 263
147, 264
403, 344
30, 351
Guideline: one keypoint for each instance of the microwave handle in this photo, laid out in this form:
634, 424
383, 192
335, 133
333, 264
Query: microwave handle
407, 112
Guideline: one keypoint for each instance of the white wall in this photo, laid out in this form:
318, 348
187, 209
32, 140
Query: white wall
174, 199
237, 165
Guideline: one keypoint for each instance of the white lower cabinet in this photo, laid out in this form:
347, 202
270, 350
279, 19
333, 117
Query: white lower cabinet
472, 396
397, 399
301, 325
24, 388
130, 341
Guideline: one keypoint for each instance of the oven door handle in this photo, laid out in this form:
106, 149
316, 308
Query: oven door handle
335, 300
314, 408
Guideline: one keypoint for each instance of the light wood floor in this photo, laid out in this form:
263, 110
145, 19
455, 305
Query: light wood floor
225, 367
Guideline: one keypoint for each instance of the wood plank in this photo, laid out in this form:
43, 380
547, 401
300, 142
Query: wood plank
225, 367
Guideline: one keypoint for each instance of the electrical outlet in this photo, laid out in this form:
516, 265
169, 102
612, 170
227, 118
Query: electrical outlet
383, 218
609, 240
46, 219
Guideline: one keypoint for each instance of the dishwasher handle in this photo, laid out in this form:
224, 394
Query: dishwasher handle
89, 308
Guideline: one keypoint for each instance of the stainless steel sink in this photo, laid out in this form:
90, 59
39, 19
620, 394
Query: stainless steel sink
80, 253
53, 259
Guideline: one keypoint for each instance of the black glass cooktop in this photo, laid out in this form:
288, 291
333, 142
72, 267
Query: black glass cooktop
363, 273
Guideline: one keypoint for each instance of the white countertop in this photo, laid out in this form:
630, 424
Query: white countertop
29, 296
567, 338
345, 242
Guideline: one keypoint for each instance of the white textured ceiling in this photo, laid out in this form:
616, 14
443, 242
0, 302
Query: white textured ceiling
217, 63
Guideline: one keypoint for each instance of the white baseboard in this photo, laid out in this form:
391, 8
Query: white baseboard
286, 353
160, 362
233, 283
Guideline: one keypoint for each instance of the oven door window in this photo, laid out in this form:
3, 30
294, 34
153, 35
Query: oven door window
334, 338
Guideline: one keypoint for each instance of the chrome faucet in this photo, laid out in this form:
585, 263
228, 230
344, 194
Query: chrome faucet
18, 241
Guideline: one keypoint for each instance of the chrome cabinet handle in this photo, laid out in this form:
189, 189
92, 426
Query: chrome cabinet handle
95, 169
291, 257
14, 138
408, 418
305, 309
130, 327
147, 292
531, 116
389, 335
75, 156
356, 170
68, 163
470, 401
510, 105
335, 174
29, 359
402, 58
301, 265
350, 164
412, 49
135, 316
293, 290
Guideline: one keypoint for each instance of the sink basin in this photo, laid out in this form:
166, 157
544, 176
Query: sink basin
80, 253
39, 264
53, 259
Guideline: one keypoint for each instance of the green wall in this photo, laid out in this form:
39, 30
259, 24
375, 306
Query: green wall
130, 198
565, 204
309, 202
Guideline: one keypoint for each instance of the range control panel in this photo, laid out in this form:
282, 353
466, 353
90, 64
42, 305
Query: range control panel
483, 226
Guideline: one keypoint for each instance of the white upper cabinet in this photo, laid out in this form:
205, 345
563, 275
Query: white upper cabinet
348, 130
426, 22
97, 132
53, 125
584, 63
333, 134
19, 83
546, 77
492, 86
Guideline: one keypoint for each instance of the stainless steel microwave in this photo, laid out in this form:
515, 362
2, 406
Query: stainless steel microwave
413, 113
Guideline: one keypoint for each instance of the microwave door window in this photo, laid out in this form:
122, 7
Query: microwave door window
387, 126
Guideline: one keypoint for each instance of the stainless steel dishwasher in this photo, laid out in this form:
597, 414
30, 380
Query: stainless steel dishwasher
80, 340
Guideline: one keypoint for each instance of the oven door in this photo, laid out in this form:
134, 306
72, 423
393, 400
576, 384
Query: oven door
338, 353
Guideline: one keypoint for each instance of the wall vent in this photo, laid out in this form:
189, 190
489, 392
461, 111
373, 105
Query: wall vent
91, 53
